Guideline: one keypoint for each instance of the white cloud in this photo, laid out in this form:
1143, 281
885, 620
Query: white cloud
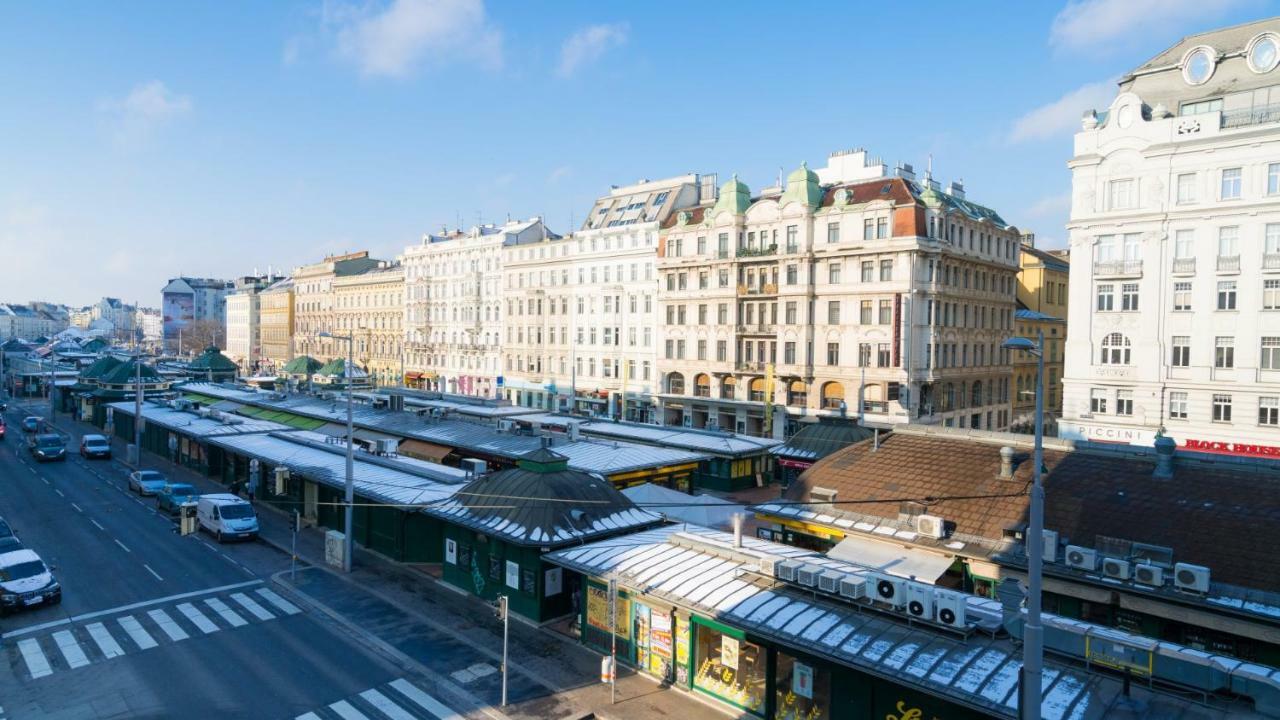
1091, 25
559, 174
392, 40
146, 108
1050, 205
588, 44
1062, 116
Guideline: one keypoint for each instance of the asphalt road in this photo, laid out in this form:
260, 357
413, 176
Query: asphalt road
156, 625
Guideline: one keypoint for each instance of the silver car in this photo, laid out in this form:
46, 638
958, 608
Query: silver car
146, 482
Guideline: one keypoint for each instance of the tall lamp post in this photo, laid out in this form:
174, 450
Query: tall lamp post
1033, 631
350, 483
137, 411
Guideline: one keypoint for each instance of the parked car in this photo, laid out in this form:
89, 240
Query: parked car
5, 530
147, 482
49, 447
95, 446
173, 495
227, 517
25, 581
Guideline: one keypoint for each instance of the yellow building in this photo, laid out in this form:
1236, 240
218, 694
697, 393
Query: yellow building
369, 306
1042, 306
275, 324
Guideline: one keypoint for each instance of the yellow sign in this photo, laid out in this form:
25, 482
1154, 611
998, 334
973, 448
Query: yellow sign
1112, 654
905, 713
598, 611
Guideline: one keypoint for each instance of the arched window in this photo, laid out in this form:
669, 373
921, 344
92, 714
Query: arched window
755, 390
797, 394
728, 386
675, 383
702, 385
1115, 350
832, 396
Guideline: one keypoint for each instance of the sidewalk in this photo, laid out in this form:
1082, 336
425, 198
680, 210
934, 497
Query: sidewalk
453, 636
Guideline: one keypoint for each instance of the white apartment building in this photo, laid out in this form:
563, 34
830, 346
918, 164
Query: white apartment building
581, 312
1175, 322
848, 292
453, 307
242, 328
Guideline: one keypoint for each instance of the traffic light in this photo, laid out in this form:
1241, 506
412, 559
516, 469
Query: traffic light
500, 607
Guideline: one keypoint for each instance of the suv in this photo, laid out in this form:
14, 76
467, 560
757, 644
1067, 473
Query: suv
48, 447
95, 446
26, 581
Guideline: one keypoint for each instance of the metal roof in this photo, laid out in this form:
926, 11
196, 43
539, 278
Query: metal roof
190, 424
709, 441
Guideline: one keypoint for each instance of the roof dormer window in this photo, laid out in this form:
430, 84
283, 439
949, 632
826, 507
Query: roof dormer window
1198, 65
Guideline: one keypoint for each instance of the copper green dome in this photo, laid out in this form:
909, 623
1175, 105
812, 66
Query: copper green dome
735, 197
802, 187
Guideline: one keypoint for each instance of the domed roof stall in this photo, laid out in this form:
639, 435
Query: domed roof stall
212, 366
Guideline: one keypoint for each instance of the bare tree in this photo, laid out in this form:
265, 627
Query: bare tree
200, 334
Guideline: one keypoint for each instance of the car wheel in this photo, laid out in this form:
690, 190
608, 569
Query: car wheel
219, 536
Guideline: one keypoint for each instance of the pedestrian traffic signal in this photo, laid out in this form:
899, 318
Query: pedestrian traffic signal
500, 607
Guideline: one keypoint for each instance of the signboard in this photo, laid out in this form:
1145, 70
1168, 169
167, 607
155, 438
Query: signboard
729, 652
1232, 448
660, 643
682, 650
1109, 653
802, 680
179, 312
513, 575
552, 583
451, 551
1104, 433
598, 611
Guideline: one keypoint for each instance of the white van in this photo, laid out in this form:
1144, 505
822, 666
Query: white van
227, 517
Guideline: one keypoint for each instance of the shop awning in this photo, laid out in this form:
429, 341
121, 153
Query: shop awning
424, 450
894, 559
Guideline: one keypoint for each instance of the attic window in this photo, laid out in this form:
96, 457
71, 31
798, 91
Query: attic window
884, 190
821, 494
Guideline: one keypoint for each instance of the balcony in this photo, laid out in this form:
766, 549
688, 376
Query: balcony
1251, 116
875, 406
1117, 268
1271, 261
1184, 266
766, 289
748, 251
749, 366
1229, 263
757, 329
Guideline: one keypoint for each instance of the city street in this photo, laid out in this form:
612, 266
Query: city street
153, 624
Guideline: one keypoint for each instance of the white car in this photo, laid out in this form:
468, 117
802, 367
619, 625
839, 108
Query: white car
147, 482
25, 581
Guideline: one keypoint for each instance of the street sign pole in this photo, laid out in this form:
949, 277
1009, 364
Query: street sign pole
613, 641
506, 613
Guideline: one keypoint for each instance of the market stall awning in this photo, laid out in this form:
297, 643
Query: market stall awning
895, 559
424, 450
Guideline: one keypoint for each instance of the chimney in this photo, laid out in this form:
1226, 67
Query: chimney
737, 530
1028, 239
1006, 462
956, 190
546, 441
1164, 458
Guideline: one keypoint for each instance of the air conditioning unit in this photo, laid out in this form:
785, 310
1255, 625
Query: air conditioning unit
829, 581
888, 589
506, 426
920, 601
950, 607
203, 412
1082, 558
769, 566
807, 575
1049, 549
853, 587
474, 466
930, 526
1114, 568
786, 570
1193, 578
1149, 574
386, 446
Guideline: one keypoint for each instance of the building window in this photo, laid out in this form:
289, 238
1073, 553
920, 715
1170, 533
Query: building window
1124, 402
833, 312
1269, 411
1178, 405
833, 232
882, 228
1271, 294
1273, 179
1222, 408
886, 270
793, 275
868, 271
1231, 184
869, 229
883, 357
722, 314
1098, 401
1224, 352
1115, 350
833, 353
833, 273
1227, 295
886, 312
1228, 241
789, 353
1186, 188
1270, 353
865, 314
1181, 351
1106, 297
864, 354
722, 351
1129, 297
1182, 296
1120, 194
702, 349
1184, 243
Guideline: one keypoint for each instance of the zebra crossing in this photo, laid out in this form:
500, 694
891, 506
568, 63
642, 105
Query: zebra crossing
76, 646
396, 700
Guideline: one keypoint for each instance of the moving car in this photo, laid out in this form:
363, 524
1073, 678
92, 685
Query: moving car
49, 447
147, 482
26, 581
95, 446
31, 424
173, 495
227, 517
1, 428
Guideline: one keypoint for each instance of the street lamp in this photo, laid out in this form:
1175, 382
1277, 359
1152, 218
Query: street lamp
137, 411
350, 483
1033, 631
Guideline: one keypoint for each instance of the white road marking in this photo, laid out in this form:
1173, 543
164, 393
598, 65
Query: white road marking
59, 492
275, 599
197, 618
385, 706
70, 649
227, 613
95, 524
123, 546
77, 507
475, 672
425, 701
166, 623
153, 572
248, 604
308, 716
37, 663
346, 712
140, 636
107, 644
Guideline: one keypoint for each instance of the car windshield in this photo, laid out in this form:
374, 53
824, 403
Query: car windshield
235, 512
22, 570
49, 442
150, 476
95, 441
181, 490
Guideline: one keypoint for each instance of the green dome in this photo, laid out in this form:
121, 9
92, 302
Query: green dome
802, 187
735, 197
802, 174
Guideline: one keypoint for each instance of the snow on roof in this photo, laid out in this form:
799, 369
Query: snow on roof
190, 424
711, 441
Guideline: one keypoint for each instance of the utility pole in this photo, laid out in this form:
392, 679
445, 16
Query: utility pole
137, 411
613, 641
53, 363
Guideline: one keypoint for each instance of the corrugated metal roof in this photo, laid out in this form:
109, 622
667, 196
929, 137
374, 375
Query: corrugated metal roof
717, 443
192, 425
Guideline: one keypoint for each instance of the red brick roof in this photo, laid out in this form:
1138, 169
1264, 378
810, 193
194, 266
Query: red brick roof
892, 189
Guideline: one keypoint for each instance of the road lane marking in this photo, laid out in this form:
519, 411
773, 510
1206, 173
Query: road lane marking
227, 613
308, 716
37, 663
140, 636
346, 712
198, 619
95, 524
248, 604
385, 706
166, 623
107, 644
153, 572
425, 701
123, 546
70, 649
273, 598
77, 507
59, 492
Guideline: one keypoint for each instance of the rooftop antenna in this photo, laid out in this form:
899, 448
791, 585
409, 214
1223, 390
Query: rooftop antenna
779, 176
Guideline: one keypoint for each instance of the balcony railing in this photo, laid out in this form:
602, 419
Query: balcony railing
1184, 265
757, 329
875, 406
749, 366
1228, 263
1103, 268
793, 249
1271, 261
1251, 116
749, 251
766, 289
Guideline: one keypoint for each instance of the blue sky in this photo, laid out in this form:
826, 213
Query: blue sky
141, 140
